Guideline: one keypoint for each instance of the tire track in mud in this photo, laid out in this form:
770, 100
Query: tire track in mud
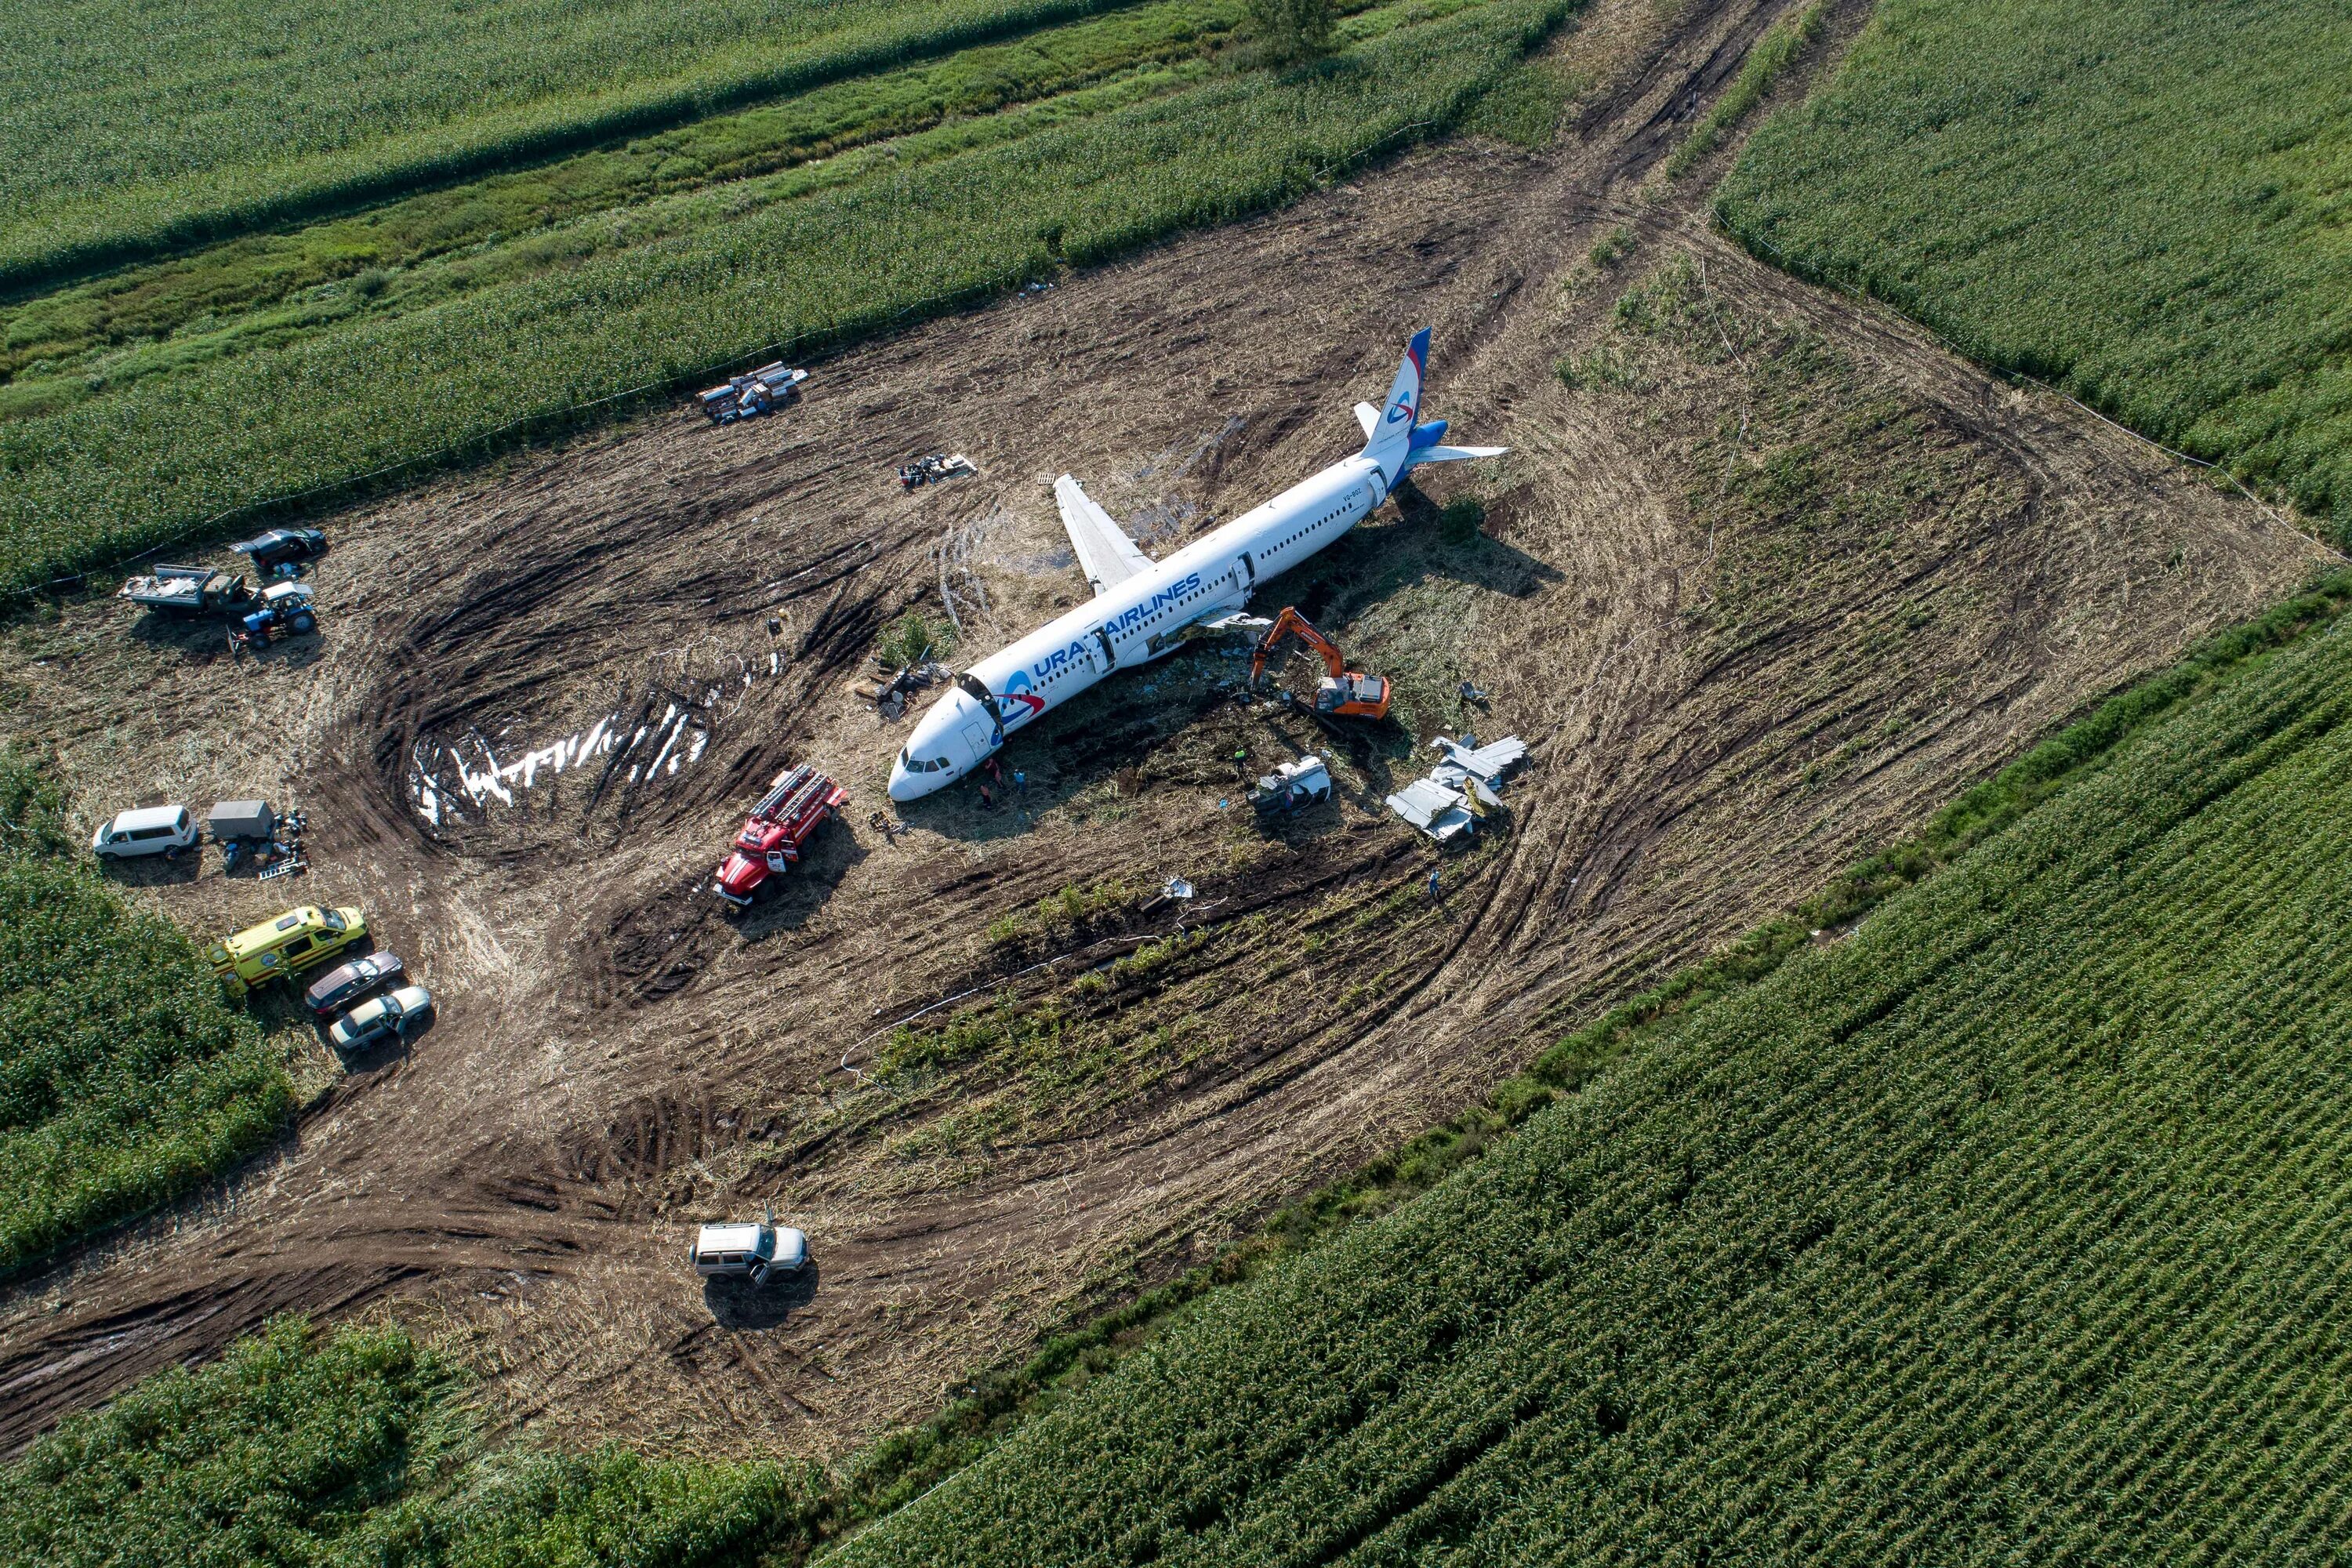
619, 1060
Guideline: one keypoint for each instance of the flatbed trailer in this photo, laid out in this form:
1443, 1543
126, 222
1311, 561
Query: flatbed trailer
188, 590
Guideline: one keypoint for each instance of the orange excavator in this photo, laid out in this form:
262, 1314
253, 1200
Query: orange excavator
1342, 694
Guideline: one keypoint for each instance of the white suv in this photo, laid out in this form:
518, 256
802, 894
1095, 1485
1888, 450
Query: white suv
755, 1252
379, 1018
154, 830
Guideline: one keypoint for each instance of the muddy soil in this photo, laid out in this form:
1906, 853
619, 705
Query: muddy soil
1768, 583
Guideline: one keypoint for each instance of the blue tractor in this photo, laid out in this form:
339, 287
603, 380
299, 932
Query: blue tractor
283, 610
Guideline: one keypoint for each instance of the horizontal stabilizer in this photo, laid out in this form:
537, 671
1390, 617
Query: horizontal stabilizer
1367, 417
1457, 454
1107, 556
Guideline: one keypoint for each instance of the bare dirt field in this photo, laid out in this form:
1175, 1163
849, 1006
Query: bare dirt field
1767, 584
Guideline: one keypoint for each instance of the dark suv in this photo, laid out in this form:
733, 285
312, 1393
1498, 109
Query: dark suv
346, 983
270, 550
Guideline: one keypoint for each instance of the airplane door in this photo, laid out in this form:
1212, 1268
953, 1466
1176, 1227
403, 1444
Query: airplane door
1110, 655
1248, 573
985, 729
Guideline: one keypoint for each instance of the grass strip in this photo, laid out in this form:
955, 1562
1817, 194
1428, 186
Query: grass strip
265, 289
167, 136
1783, 44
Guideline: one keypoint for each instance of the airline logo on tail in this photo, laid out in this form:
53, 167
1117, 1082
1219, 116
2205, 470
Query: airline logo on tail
1392, 441
1404, 397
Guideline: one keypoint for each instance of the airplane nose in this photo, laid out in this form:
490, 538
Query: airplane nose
902, 783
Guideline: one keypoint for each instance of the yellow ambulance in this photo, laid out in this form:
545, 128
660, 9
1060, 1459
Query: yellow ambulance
288, 945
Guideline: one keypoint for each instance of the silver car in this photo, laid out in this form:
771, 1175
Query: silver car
379, 1018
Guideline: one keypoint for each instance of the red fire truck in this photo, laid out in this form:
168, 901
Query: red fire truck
779, 827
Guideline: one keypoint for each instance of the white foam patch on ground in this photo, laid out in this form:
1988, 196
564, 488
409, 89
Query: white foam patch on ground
452, 783
459, 782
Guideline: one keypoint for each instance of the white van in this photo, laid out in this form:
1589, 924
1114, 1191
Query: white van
153, 830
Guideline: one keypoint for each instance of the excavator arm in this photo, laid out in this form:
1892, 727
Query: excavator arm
1345, 694
1290, 623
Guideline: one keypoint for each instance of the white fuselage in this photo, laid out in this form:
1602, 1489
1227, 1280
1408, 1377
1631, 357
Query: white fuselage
1137, 621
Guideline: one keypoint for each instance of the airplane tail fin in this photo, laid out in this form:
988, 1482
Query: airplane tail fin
1391, 441
1394, 436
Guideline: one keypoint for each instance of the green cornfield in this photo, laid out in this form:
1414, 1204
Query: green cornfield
98, 335
125, 1079
187, 123
2142, 201
353, 1447
2009, 1228
832, 253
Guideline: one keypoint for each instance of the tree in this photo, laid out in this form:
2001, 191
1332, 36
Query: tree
1289, 31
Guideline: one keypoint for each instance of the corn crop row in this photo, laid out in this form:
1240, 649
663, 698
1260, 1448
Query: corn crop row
144, 465
2007, 1229
2141, 202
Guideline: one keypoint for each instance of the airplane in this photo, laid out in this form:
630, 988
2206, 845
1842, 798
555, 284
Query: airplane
1143, 609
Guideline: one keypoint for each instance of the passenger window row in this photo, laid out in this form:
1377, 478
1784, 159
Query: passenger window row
1307, 530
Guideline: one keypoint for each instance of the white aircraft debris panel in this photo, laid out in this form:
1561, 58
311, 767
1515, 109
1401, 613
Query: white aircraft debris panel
1487, 762
1444, 813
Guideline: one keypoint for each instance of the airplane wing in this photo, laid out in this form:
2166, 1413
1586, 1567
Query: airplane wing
1107, 556
1367, 417
1238, 621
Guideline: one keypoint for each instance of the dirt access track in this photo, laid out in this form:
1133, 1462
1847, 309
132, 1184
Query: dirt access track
1763, 588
